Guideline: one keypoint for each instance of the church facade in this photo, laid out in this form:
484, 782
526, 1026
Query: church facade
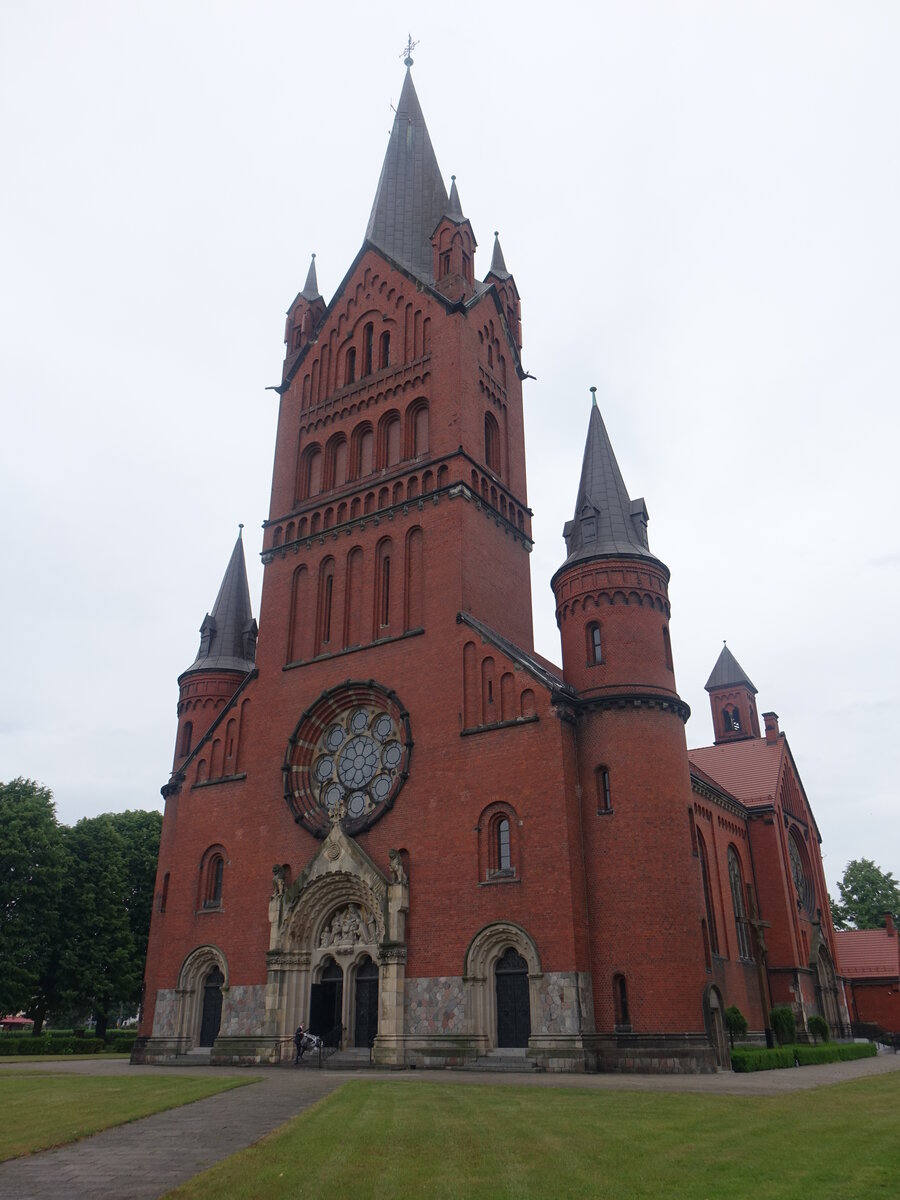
392, 820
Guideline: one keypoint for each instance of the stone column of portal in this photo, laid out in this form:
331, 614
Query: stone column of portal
286, 988
389, 1043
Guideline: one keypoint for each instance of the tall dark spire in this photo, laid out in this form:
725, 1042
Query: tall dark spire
728, 672
228, 633
607, 522
498, 264
311, 287
411, 197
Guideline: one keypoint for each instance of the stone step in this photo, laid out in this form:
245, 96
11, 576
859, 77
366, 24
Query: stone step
503, 1063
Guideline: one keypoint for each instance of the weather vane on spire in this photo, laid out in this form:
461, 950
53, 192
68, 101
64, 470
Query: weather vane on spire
406, 53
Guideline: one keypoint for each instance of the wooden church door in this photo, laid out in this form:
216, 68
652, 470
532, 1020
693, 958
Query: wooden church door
366, 1003
212, 1007
513, 1008
326, 1004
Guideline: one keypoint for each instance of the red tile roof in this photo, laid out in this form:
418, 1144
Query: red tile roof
750, 770
868, 953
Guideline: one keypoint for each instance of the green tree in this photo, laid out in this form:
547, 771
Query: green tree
30, 877
735, 1023
96, 961
867, 893
140, 832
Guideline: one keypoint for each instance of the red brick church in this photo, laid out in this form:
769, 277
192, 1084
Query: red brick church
391, 819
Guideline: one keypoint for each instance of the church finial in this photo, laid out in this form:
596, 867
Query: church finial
593, 392
407, 50
241, 529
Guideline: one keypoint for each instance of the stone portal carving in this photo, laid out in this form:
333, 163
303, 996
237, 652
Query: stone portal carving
340, 906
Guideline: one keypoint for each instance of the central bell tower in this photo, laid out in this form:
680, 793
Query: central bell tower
400, 453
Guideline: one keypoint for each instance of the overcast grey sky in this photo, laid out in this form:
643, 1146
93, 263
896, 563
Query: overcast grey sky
699, 202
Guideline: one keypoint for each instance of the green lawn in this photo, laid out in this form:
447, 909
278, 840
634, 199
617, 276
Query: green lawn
39, 1110
455, 1141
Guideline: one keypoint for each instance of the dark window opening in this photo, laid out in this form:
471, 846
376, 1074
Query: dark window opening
384, 351
350, 371
385, 591
731, 720
214, 873
368, 346
164, 895
186, 737
326, 610
504, 862
595, 647
620, 1000
707, 895
604, 795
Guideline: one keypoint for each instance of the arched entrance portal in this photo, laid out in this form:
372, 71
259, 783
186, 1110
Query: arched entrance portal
513, 1008
211, 1018
366, 1023
326, 1003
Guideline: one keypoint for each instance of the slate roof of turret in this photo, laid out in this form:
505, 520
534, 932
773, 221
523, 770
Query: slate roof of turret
498, 264
311, 287
411, 197
727, 673
454, 207
607, 522
231, 627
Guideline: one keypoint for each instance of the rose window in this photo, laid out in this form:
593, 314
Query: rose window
348, 758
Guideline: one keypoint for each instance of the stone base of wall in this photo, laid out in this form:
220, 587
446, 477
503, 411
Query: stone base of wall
560, 1052
150, 1050
652, 1054
248, 1051
436, 1051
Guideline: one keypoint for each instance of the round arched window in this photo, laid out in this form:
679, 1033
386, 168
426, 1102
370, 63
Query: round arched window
347, 759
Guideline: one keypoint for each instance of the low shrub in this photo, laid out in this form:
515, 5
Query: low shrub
735, 1023
784, 1025
757, 1058
818, 1027
121, 1041
50, 1045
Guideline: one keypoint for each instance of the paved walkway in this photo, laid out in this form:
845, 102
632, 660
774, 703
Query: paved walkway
147, 1158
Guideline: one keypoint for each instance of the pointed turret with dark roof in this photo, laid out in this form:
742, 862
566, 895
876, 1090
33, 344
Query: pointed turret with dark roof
498, 265
311, 287
228, 633
411, 197
732, 699
728, 672
607, 522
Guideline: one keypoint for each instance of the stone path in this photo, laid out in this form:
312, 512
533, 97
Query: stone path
149, 1157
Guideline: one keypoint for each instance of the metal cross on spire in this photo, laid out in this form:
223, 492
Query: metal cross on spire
406, 53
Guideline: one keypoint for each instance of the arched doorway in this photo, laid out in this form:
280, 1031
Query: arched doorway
513, 1008
366, 1021
715, 1026
211, 1017
326, 1003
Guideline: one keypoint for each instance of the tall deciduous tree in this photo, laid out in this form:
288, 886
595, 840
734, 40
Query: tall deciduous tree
867, 893
96, 948
30, 877
140, 832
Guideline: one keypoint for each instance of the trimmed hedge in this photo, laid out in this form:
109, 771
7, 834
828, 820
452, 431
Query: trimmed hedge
50, 1045
757, 1058
121, 1041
